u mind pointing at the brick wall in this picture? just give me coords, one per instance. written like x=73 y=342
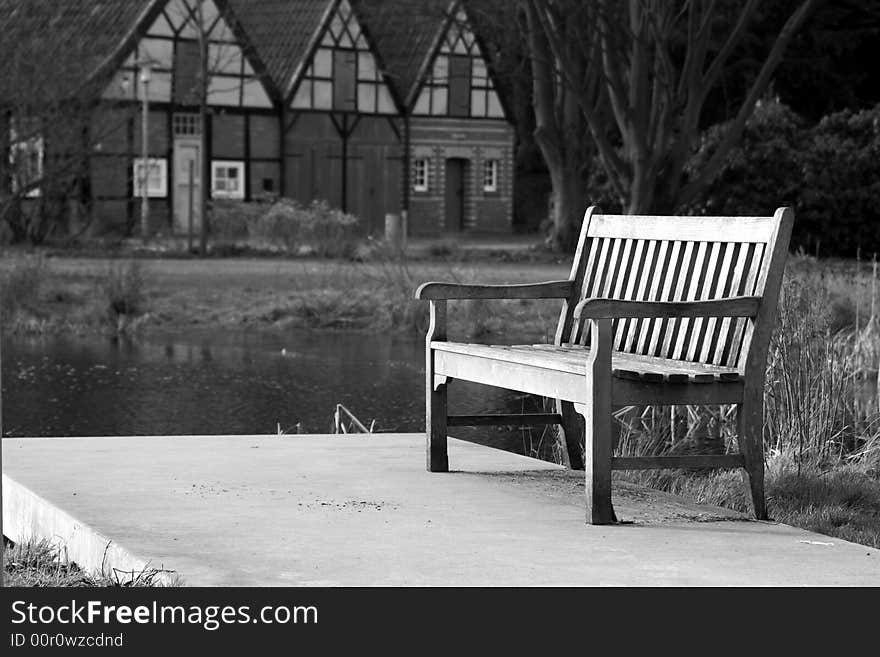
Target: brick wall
x=475 y=141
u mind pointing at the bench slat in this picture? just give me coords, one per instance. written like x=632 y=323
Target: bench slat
x=724 y=461
x=734 y=287
x=635 y=279
x=698 y=325
x=656 y=325
x=648 y=273
x=695 y=229
x=736 y=343
x=499 y=419
x=693 y=287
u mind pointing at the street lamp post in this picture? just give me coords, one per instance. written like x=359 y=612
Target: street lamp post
x=145 y=148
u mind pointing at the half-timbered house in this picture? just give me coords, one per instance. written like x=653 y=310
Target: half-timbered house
x=342 y=125
x=376 y=107
x=159 y=55
x=460 y=140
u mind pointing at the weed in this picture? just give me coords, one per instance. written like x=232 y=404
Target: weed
x=20 y=286
x=40 y=563
x=123 y=289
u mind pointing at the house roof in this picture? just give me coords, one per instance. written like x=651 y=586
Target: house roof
x=403 y=32
x=406 y=33
x=63 y=45
x=281 y=31
x=50 y=49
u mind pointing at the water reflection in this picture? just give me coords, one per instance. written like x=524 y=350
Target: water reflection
x=225 y=383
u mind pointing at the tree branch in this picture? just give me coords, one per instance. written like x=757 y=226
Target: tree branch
x=689 y=192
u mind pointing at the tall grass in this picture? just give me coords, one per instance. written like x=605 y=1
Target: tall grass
x=20 y=286
x=123 y=288
x=39 y=563
x=821 y=422
x=37 y=299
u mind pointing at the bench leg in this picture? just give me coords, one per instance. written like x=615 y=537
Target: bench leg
x=572 y=431
x=597 y=463
x=750 y=425
x=435 y=412
x=597 y=426
x=435 y=394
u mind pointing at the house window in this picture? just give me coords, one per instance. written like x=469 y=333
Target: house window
x=343 y=73
x=420 y=175
x=26 y=163
x=156 y=174
x=459 y=83
x=227 y=179
x=186 y=124
x=490 y=176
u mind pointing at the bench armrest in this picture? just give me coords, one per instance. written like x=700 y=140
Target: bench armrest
x=548 y=290
x=594 y=308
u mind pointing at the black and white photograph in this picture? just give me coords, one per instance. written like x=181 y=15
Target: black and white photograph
x=328 y=295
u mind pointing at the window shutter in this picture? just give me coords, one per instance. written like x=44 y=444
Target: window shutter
x=186 y=73
x=345 y=80
x=459 y=85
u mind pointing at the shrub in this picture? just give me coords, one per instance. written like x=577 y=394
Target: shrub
x=232 y=220
x=317 y=228
x=761 y=173
x=839 y=200
x=829 y=173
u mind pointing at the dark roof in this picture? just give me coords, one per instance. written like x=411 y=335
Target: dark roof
x=50 y=48
x=405 y=33
x=402 y=31
x=62 y=44
x=281 y=32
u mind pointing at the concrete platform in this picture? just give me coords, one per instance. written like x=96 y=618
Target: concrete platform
x=360 y=510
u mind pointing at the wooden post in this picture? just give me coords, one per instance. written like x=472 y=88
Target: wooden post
x=189 y=242
x=435 y=408
x=597 y=425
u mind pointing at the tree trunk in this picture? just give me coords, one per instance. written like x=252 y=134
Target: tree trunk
x=569 y=204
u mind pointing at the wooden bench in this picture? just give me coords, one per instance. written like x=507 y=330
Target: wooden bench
x=656 y=311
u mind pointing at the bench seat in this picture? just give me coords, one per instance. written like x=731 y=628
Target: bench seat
x=573 y=359
x=559 y=372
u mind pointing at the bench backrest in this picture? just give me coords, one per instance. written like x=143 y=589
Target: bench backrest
x=660 y=258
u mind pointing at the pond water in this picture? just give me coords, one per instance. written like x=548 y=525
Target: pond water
x=234 y=383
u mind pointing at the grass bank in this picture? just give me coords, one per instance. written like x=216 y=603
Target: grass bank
x=62 y=294
x=39 y=564
x=37 y=297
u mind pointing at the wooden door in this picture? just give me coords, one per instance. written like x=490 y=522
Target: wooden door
x=454 y=194
x=187 y=186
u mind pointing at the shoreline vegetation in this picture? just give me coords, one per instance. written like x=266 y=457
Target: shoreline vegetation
x=822 y=423
x=39 y=563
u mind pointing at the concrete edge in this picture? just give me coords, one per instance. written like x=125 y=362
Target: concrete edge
x=27 y=516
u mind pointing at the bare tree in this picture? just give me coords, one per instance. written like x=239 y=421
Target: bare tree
x=49 y=122
x=659 y=60
x=561 y=130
